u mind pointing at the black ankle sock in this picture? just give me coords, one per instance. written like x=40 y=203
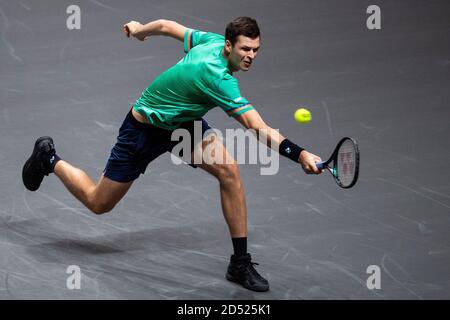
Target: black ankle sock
x=239 y=246
x=52 y=162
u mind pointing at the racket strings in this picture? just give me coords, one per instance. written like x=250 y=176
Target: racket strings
x=346 y=163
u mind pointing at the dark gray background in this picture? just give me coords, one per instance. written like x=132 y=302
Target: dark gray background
x=167 y=239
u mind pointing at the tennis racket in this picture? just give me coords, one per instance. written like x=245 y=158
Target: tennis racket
x=343 y=163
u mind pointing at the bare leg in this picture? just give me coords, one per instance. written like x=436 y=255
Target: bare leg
x=240 y=268
x=99 y=198
x=231 y=188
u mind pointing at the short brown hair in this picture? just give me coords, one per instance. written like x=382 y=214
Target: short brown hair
x=244 y=26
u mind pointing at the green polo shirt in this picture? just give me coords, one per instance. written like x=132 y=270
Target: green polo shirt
x=196 y=84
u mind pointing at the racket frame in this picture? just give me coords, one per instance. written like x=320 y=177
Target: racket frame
x=333 y=157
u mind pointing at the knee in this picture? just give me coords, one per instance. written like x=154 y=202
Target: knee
x=101 y=208
x=229 y=175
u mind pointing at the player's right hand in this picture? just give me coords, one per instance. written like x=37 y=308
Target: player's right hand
x=308 y=162
x=134 y=28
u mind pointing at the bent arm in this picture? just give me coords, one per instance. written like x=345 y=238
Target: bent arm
x=160 y=27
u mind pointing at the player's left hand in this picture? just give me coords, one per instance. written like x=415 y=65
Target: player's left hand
x=134 y=28
x=308 y=162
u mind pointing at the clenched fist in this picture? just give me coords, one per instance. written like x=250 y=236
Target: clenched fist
x=134 y=29
x=308 y=162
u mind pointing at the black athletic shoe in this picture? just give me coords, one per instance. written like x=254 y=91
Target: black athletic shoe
x=241 y=270
x=38 y=164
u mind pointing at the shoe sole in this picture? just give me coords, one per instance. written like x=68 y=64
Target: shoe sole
x=229 y=277
x=29 y=184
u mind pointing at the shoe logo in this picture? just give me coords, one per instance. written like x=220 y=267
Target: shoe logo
x=52 y=159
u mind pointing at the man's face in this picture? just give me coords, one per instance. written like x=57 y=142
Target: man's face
x=242 y=53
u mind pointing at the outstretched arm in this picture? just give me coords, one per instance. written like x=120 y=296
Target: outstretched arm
x=159 y=27
x=252 y=120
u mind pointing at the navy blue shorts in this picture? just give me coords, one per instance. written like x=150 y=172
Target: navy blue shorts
x=140 y=143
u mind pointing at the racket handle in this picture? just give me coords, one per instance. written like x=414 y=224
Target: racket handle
x=320 y=165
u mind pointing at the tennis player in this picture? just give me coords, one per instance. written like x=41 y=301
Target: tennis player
x=202 y=80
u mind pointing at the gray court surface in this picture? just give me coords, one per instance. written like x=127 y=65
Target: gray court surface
x=167 y=239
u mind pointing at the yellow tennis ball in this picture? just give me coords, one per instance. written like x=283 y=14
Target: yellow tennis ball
x=302 y=115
